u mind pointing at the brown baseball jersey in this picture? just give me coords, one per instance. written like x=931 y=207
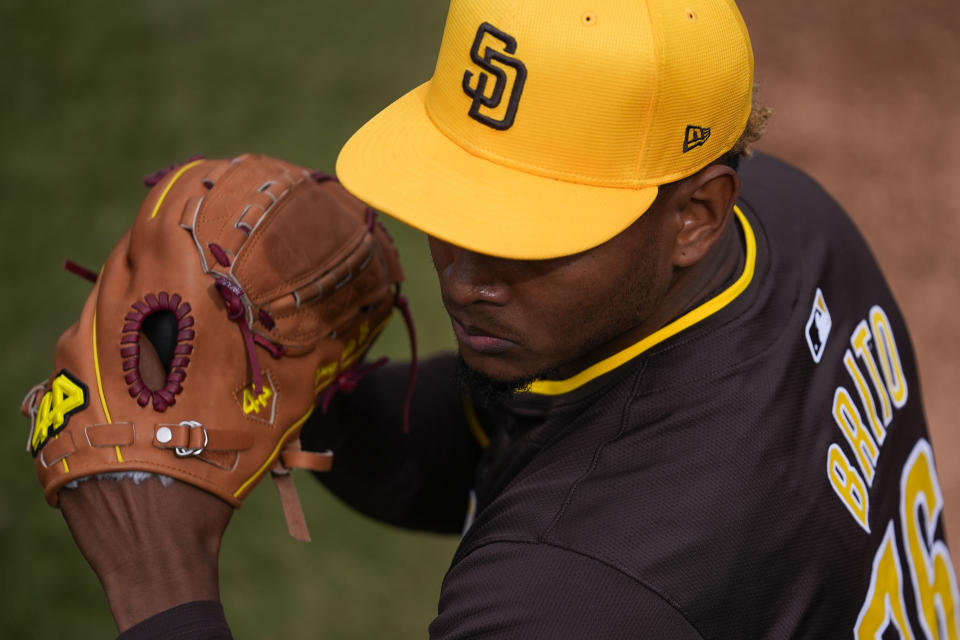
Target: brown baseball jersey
x=758 y=468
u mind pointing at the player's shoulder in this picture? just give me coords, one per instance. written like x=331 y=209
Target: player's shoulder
x=805 y=236
x=789 y=199
x=762 y=172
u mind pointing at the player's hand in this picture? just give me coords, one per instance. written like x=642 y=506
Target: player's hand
x=152 y=546
x=255 y=285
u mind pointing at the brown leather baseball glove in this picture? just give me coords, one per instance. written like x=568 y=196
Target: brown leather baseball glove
x=244 y=289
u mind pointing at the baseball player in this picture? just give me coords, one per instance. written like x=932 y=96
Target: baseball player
x=685 y=403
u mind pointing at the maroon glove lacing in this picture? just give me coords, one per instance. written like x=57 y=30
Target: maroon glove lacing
x=154 y=178
x=348 y=380
x=232 y=296
x=79 y=270
x=404 y=306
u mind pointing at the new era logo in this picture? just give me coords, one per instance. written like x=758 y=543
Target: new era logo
x=695 y=137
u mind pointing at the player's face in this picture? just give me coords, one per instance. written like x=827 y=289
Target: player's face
x=516 y=320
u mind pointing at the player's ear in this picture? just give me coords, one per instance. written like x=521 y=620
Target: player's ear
x=703 y=205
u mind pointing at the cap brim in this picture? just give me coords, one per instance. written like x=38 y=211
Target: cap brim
x=402 y=164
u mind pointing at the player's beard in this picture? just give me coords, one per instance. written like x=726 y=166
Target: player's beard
x=487 y=391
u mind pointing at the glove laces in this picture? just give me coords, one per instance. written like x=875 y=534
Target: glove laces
x=232 y=296
x=348 y=380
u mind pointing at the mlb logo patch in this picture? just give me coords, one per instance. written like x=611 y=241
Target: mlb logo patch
x=818 y=327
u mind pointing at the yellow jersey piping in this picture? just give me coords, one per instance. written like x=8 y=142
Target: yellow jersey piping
x=473 y=421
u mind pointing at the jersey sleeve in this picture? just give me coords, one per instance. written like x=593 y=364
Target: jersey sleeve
x=200 y=620
x=419 y=480
x=508 y=590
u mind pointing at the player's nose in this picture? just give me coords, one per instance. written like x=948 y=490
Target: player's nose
x=467 y=277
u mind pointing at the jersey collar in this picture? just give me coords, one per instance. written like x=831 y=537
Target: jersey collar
x=692 y=317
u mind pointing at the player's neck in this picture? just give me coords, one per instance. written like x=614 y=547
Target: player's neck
x=689 y=288
x=698 y=283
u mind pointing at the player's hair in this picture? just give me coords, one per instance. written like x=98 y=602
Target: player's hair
x=756 y=127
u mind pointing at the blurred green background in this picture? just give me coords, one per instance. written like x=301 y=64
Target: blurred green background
x=97 y=94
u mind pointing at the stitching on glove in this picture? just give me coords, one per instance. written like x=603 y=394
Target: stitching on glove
x=165 y=397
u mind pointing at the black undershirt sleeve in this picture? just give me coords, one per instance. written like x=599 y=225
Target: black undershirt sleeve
x=527 y=591
x=202 y=620
x=420 y=480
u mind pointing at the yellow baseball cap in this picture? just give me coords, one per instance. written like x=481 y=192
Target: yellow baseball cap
x=549 y=124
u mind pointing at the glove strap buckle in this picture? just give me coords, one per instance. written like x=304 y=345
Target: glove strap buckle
x=186 y=452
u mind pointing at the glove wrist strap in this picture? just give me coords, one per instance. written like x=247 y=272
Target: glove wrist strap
x=294 y=457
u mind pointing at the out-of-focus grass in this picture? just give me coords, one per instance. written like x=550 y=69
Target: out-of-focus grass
x=95 y=95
